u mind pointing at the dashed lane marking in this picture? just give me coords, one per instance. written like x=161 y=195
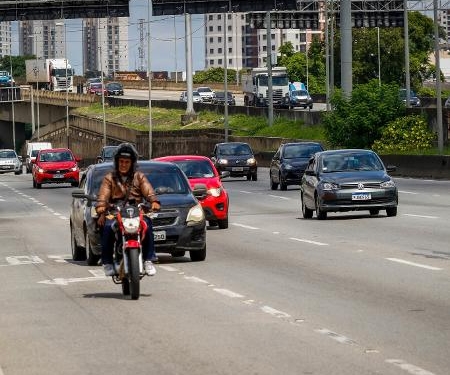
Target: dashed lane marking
x=422 y=216
x=412 y=369
x=309 y=241
x=335 y=336
x=414 y=264
x=245 y=226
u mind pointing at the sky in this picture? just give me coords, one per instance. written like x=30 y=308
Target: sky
x=166 y=54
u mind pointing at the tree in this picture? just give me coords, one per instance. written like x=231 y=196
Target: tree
x=17 y=62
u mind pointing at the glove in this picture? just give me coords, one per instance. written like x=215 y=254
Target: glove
x=101 y=220
x=156 y=206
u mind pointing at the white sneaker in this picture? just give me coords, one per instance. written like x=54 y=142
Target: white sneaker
x=109 y=269
x=149 y=268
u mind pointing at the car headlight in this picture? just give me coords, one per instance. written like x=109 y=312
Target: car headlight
x=251 y=161
x=195 y=215
x=40 y=170
x=288 y=166
x=330 y=186
x=387 y=184
x=131 y=225
x=74 y=169
x=223 y=161
x=215 y=192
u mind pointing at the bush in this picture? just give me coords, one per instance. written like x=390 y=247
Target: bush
x=409 y=133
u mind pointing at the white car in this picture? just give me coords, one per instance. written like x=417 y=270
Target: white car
x=207 y=94
x=196 y=98
x=10 y=162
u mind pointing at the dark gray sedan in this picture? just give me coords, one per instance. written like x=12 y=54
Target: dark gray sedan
x=178 y=227
x=347 y=180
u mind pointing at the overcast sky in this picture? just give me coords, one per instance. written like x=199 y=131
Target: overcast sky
x=162 y=36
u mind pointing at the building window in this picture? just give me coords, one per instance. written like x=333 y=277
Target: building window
x=230 y=39
x=210 y=18
x=211 y=51
x=219 y=61
x=219 y=39
x=211 y=62
x=230 y=28
x=211 y=40
x=230 y=50
x=219 y=50
x=219 y=28
x=211 y=28
x=219 y=16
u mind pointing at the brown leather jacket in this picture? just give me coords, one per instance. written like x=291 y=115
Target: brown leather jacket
x=112 y=189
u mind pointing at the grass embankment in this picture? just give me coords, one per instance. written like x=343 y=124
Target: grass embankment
x=169 y=119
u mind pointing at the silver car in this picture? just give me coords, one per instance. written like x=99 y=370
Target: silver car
x=196 y=98
x=10 y=162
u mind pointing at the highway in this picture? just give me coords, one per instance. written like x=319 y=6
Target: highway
x=277 y=294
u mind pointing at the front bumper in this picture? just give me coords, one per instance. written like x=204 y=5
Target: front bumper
x=342 y=201
x=215 y=208
x=54 y=178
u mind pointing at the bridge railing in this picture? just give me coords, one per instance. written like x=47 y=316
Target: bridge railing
x=10 y=94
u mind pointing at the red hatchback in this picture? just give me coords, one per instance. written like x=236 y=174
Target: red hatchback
x=201 y=170
x=55 y=166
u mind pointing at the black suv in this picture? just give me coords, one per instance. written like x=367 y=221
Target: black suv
x=107 y=154
x=178 y=227
x=236 y=158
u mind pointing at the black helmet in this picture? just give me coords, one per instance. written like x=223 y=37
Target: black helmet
x=125 y=150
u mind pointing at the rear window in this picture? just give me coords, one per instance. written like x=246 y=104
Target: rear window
x=195 y=168
x=167 y=182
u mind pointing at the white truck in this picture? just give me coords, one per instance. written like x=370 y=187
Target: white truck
x=32 y=150
x=255 y=86
x=49 y=74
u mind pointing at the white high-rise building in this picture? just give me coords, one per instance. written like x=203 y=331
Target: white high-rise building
x=105 y=45
x=44 y=39
x=5 y=39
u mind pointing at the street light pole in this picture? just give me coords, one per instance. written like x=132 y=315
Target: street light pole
x=36 y=75
x=67 y=84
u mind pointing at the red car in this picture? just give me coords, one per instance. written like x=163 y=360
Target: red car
x=201 y=170
x=55 y=166
x=96 y=88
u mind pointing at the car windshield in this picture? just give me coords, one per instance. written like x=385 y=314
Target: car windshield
x=56 y=156
x=195 y=93
x=96 y=86
x=300 y=151
x=351 y=162
x=114 y=86
x=300 y=92
x=232 y=149
x=196 y=168
x=204 y=89
x=108 y=152
x=167 y=182
x=7 y=154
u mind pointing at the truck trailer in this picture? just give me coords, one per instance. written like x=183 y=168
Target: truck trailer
x=50 y=74
x=255 y=86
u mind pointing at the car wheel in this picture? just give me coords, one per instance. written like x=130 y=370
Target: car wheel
x=374 y=211
x=213 y=223
x=307 y=213
x=321 y=215
x=38 y=186
x=283 y=185
x=198 y=255
x=34 y=183
x=223 y=224
x=391 y=211
x=311 y=106
x=92 y=259
x=273 y=185
x=78 y=253
x=75 y=184
x=254 y=177
x=249 y=177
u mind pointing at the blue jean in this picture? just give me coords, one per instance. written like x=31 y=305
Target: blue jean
x=108 y=238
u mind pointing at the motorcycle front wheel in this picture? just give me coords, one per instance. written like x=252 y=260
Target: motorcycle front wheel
x=134 y=277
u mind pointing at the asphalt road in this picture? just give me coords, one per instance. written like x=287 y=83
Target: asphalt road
x=277 y=294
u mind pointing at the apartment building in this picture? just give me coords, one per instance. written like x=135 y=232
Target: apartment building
x=246 y=47
x=105 y=45
x=5 y=39
x=43 y=39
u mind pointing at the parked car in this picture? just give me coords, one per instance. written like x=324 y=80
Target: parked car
x=178 y=227
x=114 y=88
x=289 y=163
x=413 y=99
x=347 y=180
x=196 y=98
x=96 y=89
x=55 y=166
x=237 y=158
x=207 y=94
x=220 y=98
x=10 y=162
x=106 y=154
x=200 y=170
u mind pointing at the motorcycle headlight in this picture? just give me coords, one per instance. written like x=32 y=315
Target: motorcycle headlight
x=251 y=161
x=195 y=215
x=223 y=161
x=215 y=192
x=330 y=186
x=131 y=225
x=387 y=184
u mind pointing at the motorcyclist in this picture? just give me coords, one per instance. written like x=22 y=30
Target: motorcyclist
x=124 y=183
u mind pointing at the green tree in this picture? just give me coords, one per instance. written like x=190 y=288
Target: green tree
x=214 y=75
x=357 y=121
x=17 y=62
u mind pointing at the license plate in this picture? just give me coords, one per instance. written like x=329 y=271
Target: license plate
x=58 y=176
x=237 y=169
x=361 y=196
x=160 y=235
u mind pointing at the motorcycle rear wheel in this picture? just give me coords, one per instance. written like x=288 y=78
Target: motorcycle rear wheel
x=134 y=276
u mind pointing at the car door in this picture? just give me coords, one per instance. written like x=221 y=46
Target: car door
x=275 y=166
x=309 y=182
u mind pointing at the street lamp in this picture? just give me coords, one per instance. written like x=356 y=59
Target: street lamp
x=67 y=83
x=36 y=75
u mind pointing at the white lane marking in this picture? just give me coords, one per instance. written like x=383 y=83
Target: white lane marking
x=169 y=268
x=309 y=241
x=98 y=273
x=244 y=226
x=63 y=217
x=409 y=367
x=335 y=336
x=196 y=279
x=23 y=259
x=277 y=196
x=414 y=264
x=274 y=312
x=58 y=258
x=2 y=200
x=422 y=216
x=245 y=192
x=228 y=293
x=61 y=281
x=1 y=371
x=407 y=192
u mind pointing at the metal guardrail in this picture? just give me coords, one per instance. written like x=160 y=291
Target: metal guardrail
x=10 y=94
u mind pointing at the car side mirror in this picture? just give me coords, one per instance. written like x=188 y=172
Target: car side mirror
x=224 y=174
x=199 y=191
x=391 y=168
x=78 y=159
x=20 y=158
